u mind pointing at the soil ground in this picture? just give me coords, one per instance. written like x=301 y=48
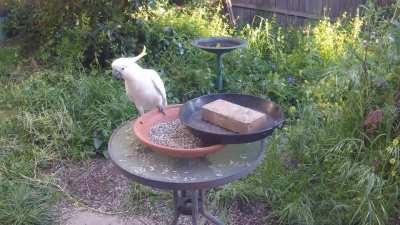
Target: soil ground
x=100 y=186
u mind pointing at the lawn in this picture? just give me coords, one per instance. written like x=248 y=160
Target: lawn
x=334 y=162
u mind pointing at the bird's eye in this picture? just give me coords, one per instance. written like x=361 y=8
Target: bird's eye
x=122 y=68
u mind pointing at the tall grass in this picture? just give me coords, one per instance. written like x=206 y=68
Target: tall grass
x=22 y=204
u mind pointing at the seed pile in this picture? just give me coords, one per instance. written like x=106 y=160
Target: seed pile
x=174 y=134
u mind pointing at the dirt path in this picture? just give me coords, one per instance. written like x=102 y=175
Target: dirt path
x=100 y=186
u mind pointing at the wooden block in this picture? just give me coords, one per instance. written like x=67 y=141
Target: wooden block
x=233 y=117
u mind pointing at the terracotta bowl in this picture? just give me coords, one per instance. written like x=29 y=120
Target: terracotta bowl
x=143 y=124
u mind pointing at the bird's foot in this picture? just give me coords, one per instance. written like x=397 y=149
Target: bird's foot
x=140 y=110
x=161 y=109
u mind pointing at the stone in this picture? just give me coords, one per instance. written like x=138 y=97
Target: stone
x=89 y=218
x=84 y=217
x=233 y=117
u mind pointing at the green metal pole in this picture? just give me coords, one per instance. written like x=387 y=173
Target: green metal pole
x=220 y=76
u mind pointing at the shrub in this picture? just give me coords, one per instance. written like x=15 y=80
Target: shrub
x=73 y=29
x=93 y=32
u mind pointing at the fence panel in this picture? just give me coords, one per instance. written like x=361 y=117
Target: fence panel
x=294 y=12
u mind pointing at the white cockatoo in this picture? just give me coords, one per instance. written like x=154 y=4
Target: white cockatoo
x=144 y=87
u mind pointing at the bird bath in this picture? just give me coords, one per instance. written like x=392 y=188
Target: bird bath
x=219 y=46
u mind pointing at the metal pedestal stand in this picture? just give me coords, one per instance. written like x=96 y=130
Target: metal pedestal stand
x=192 y=203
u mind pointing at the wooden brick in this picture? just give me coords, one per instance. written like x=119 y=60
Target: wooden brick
x=233 y=117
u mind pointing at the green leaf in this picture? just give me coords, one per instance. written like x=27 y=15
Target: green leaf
x=97 y=142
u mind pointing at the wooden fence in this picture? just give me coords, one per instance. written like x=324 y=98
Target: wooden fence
x=2 y=8
x=294 y=12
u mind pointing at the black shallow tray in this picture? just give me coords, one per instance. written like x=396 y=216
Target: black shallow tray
x=190 y=115
x=227 y=44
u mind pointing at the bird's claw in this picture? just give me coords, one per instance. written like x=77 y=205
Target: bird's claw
x=161 y=109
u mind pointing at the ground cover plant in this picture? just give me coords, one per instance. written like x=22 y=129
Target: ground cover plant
x=336 y=161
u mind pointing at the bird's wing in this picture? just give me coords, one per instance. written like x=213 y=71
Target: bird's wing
x=158 y=85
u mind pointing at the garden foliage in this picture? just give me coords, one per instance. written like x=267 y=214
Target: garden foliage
x=328 y=165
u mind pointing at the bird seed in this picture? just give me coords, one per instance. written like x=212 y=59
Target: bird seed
x=174 y=134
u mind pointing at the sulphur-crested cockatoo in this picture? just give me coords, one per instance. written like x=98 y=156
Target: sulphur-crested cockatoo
x=144 y=87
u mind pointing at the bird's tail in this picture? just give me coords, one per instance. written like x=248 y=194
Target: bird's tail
x=141 y=55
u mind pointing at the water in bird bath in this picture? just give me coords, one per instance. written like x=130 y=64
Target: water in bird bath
x=219 y=44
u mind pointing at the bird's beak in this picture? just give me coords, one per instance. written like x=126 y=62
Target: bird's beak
x=117 y=74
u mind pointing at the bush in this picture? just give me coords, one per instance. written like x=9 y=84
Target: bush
x=91 y=33
x=80 y=31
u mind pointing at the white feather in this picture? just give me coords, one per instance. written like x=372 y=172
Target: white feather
x=144 y=87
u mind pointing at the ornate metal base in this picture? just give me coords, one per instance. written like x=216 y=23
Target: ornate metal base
x=192 y=203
